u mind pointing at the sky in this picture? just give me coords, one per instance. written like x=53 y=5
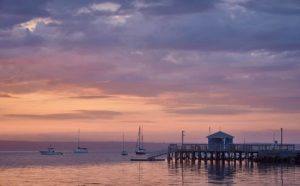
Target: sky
x=107 y=67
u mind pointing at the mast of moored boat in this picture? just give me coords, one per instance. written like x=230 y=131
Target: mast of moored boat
x=123 y=142
x=78 y=139
x=142 y=137
x=137 y=140
x=139 y=150
x=139 y=136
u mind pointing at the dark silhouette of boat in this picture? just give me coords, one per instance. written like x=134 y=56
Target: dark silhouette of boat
x=80 y=150
x=139 y=148
x=124 y=152
x=50 y=151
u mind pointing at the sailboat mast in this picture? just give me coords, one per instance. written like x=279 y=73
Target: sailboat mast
x=137 y=141
x=139 y=137
x=78 y=138
x=142 y=146
x=123 y=142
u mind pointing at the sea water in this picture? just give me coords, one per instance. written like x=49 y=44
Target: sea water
x=110 y=168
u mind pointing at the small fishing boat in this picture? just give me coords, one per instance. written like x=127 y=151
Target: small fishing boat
x=124 y=152
x=139 y=148
x=50 y=151
x=80 y=150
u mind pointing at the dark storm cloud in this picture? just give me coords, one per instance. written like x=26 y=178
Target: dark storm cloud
x=286 y=7
x=27 y=39
x=279 y=67
x=165 y=7
x=79 y=114
x=13 y=12
x=212 y=43
x=193 y=25
x=216 y=31
x=270 y=68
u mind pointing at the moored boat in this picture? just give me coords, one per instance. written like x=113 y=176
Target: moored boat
x=124 y=152
x=50 y=151
x=139 y=149
x=80 y=150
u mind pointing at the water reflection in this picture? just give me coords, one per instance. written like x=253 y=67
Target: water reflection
x=97 y=169
x=213 y=172
x=218 y=172
x=229 y=173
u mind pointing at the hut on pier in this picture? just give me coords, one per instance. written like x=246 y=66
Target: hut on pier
x=219 y=141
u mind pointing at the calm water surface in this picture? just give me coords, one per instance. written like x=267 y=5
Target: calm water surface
x=109 y=168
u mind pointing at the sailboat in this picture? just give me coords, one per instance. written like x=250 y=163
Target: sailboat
x=124 y=152
x=79 y=149
x=139 y=148
x=50 y=151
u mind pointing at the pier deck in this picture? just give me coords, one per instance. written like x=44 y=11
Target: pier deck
x=233 y=152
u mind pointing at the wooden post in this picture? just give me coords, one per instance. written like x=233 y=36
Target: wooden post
x=182 y=138
x=169 y=156
x=217 y=156
x=193 y=156
x=281 y=137
x=199 y=156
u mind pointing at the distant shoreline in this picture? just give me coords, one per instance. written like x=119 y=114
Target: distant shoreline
x=97 y=145
x=68 y=145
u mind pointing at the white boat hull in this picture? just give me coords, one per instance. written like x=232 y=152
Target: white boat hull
x=140 y=152
x=81 y=151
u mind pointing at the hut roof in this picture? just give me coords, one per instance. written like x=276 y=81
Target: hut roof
x=220 y=134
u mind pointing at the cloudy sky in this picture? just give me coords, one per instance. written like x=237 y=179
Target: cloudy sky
x=170 y=65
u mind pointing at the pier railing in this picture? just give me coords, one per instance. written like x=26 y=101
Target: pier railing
x=231 y=147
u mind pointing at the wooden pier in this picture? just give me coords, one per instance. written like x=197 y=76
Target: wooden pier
x=233 y=152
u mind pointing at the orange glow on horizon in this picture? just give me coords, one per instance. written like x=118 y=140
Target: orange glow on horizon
x=34 y=115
